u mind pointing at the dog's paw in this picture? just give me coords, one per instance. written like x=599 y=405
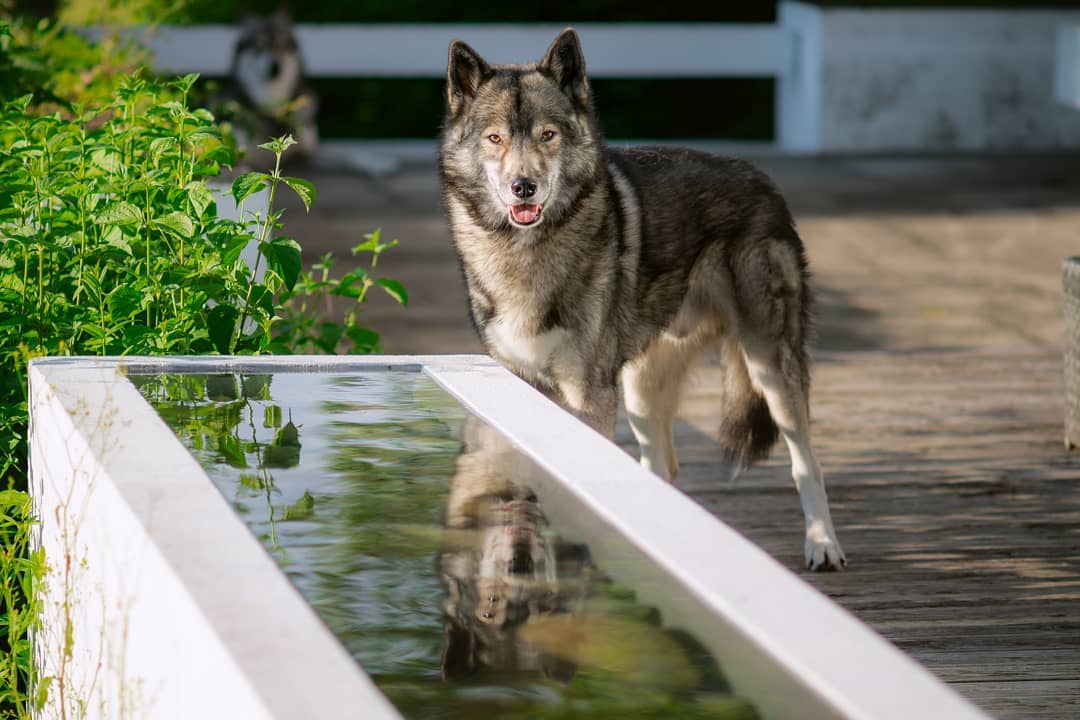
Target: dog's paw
x=823 y=552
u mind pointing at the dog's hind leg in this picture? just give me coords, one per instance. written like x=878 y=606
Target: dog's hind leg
x=652 y=385
x=776 y=372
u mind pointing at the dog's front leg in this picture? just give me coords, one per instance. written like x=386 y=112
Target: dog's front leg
x=595 y=404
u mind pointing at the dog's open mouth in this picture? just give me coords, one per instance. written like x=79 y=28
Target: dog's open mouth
x=525 y=215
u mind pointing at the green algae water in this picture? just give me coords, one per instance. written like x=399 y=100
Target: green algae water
x=414 y=531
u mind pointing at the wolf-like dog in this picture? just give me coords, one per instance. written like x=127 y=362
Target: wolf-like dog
x=588 y=267
x=267 y=83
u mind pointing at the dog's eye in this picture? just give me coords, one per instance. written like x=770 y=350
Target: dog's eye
x=495 y=139
x=547 y=135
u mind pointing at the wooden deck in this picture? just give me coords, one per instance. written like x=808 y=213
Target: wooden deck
x=937 y=400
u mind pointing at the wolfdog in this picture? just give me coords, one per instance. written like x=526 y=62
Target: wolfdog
x=588 y=266
x=267 y=84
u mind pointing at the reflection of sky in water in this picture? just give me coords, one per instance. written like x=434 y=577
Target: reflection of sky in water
x=363 y=525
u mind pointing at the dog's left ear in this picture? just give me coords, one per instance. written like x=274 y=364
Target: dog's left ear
x=566 y=63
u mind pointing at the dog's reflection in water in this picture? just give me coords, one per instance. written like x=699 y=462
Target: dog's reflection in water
x=503 y=566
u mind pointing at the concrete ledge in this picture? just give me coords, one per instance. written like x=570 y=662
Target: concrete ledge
x=177 y=611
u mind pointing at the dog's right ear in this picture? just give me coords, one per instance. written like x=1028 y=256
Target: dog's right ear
x=459 y=655
x=465 y=70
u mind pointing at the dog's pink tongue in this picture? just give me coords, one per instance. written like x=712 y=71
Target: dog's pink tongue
x=524 y=214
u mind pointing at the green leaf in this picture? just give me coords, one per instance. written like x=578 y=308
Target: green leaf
x=184 y=83
x=272 y=416
x=284 y=451
x=262 y=298
x=220 y=325
x=19 y=104
x=248 y=184
x=200 y=196
x=233 y=248
x=284 y=257
x=159 y=145
x=394 y=289
x=119 y=213
x=229 y=446
x=115 y=238
x=352 y=284
x=303 y=188
x=256 y=387
x=220 y=154
x=302 y=509
x=108 y=159
x=371 y=242
x=279 y=144
x=178 y=223
x=364 y=339
x=329 y=336
x=124 y=301
x=254 y=482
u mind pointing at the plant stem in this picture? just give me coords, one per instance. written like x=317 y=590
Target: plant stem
x=275 y=178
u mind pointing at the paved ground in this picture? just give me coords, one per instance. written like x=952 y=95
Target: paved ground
x=937 y=405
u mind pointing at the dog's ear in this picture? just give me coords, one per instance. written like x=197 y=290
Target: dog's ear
x=566 y=63
x=459 y=655
x=282 y=19
x=465 y=70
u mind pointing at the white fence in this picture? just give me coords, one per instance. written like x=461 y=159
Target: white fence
x=847 y=79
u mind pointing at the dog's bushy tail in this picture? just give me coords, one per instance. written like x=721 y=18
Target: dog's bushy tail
x=747 y=431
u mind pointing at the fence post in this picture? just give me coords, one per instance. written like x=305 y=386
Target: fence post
x=799 y=87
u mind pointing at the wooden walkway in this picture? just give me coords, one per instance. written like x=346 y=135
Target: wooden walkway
x=937 y=400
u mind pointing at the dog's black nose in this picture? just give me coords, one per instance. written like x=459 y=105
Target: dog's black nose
x=523 y=188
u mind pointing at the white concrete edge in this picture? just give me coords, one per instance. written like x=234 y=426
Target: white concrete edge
x=847 y=664
x=283 y=650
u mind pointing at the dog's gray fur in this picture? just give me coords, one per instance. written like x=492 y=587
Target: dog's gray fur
x=587 y=266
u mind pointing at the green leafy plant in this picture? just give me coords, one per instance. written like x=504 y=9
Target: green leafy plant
x=20 y=570
x=111 y=244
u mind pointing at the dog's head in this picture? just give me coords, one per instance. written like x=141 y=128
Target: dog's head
x=516 y=572
x=520 y=141
x=266 y=60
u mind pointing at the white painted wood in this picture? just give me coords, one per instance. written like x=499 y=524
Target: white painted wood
x=1067 y=66
x=612 y=50
x=942 y=79
x=799 y=87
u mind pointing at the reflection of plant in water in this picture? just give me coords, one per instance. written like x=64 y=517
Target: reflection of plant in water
x=215 y=416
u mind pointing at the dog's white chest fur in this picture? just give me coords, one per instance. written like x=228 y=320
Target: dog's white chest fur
x=268 y=93
x=529 y=352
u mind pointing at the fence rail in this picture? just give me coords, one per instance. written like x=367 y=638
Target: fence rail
x=612 y=50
